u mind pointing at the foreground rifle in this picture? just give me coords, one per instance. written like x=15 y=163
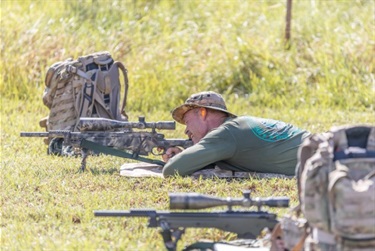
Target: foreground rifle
x=246 y=224
x=115 y=138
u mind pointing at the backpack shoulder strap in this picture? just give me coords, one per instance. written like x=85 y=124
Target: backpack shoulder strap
x=126 y=83
x=371 y=139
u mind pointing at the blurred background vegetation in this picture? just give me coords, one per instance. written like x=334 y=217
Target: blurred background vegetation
x=175 y=48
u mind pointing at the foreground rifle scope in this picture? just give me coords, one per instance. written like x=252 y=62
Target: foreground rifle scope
x=199 y=201
x=102 y=124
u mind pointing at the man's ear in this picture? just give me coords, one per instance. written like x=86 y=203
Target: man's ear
x=203 y=113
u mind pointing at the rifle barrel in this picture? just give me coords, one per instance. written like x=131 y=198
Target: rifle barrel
x=122 y=213
x=52 y=134
x=34 y=134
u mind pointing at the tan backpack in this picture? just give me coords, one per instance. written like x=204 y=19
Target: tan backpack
x=87 y=87
x=336 y=184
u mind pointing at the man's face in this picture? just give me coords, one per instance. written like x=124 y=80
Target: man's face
x=196 y=126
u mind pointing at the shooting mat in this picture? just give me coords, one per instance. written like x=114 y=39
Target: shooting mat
x=142 y=169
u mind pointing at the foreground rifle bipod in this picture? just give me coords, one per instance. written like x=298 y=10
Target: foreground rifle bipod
x=246 y=224
x=117 y=138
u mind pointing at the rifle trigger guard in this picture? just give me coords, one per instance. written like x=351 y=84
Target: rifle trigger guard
x=158 y=152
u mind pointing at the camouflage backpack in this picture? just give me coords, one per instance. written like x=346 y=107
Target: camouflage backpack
x=336 y=184
x=87 y=87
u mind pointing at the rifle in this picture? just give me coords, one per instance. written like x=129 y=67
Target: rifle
x=246 y=224
x=114 y=138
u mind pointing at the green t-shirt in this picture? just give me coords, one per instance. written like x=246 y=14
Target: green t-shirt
x=246 y=144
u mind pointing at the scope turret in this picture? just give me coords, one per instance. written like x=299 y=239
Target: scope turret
x=199 y=201
x=103 y=124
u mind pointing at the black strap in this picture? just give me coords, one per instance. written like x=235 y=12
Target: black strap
x=115 y=152
x=353 y=152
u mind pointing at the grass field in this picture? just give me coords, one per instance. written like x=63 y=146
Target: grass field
x=324 y=77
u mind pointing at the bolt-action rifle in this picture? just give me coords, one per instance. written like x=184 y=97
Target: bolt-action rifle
x=114 y=137
x=246 y=224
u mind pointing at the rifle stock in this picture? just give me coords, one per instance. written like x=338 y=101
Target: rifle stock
x=246 y=224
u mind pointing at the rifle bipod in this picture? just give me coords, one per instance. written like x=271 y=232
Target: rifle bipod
x=170 y=236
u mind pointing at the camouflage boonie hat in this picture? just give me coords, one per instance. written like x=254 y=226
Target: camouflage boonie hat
x=208 y=99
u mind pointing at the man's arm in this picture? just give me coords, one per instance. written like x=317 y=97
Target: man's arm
x=215 y=146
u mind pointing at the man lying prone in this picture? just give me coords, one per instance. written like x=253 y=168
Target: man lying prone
x=239 y=144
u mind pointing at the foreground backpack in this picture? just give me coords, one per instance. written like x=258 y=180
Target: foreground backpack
x=86 y=87
x=336 y=184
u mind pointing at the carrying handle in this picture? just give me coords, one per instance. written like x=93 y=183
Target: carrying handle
x=362 y=136
x=103 y=62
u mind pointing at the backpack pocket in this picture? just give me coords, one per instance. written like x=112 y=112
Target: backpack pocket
x=351 y=192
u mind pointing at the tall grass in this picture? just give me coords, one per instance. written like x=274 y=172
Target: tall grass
x=171 y=49
x=186 y=46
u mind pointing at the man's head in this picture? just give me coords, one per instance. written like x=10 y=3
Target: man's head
x=208 y=99
x=201 y=113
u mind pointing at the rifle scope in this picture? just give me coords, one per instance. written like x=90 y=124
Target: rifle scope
x=102 y=124
x=199 y=201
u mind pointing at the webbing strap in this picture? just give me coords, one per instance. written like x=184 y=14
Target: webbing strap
x=73 y=69
x=87 y=100
x=115 y=152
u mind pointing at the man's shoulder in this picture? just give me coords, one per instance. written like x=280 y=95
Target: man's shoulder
x=232 y=127
x=235 y=122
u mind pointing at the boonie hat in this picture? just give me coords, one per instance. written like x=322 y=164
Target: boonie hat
x=208 y=99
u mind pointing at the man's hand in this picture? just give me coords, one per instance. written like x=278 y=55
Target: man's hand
x=172 y=151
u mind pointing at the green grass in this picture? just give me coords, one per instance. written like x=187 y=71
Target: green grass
x=171 y=49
